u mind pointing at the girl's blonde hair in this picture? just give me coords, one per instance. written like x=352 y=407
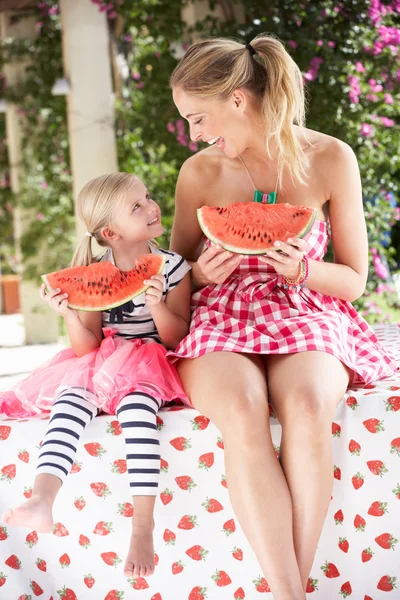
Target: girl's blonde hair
x=215 y=67
x=98 y=203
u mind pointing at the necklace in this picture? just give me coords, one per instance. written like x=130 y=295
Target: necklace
x=261 y=197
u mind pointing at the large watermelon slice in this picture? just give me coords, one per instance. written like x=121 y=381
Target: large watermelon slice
x=101 y=285
x=252 y=228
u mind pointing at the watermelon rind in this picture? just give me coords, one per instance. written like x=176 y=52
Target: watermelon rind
x=121 y=301
x=248 y=251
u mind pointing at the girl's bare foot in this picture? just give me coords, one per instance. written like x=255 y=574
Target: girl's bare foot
x=140 y=559
x=35 y=513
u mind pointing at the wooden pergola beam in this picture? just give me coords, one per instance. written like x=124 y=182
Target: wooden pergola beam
x=14 y=5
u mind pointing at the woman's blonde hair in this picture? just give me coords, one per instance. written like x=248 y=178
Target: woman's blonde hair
x=98 y=203
x=215 y=67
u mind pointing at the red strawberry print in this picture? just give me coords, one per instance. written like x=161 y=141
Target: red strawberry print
x=103 y=528
x=67 y=594
x=166 y=496
x=277 y=450
x=187 y=522
x=80 y=503
x=32 y=539
x=343 y=544
x=13 y=562
x=354 y=448
x=346 y=590
x=119 y=466
x=84 y=541
x=156 y=559
x=394 y=388
x=229 y=527
x=239 y=594
x=237 y=553
x=220 y=443
x=60 y=530
x=177 y=567
x=386 y=541
x=139 y=583
x=221 y=578
x=352 y=402
x=36 y=589
x=114 y=595
x=338 y=516
x=212 y=506
x=200 y=422
x=114 y=427
x=271 y=411
x=357 y=480
x=337 y=473
x=393 y=403
x=330 y=570
x=336 y=429
x=160 y=423
x=359 y=523
x=366 y=555
x=396 y=491
x=100 y=489
x=197 y=553
x=23 y=455
x=8 y=473
x=367 y=597
x=95 y=449
x=27 y=491
x=261 y=585
x=224 y=481
x=26 y=597
x=3 y=533
x=164 y=466
x=181 y=443
x=185 y=482
x=64 y=560
x=126 y=509
x=311 y=585
x=111 y=558
x=5 y=431
x=373 y=425
x=377 y=467
x=3 y=578
x=377 y=509
x=395 y=446
x=386 y=583
x=156 y=597
x=169 y=537
x=41 y=565
x=197 y=593
x=76 y=467
x=206 y=460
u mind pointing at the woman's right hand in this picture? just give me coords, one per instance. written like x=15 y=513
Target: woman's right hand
x=57 y=301
x=214 y=266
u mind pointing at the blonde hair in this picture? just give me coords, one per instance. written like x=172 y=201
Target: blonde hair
x=215 y=67
x=98 y=203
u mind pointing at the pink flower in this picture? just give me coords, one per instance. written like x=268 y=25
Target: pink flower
x=40 y=217
x=135 y=75
x=372 y=97
x=128 y=38
x=171 y=127
x=193 y=146
x=331 y=44
x=387 y=122
x=182 y=139
x=140 y=85
x=157 y=54
x=180 y=125
x=388 y=99
x=320 y=43
x=112 y=15
x=366 y=129
x=359 y=67
x=292 y=44
x=44 y=185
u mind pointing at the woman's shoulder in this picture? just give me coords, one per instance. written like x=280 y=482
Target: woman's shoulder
x=323 y=147
x=207 y=163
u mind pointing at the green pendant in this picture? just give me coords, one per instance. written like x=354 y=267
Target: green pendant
x=264 y=198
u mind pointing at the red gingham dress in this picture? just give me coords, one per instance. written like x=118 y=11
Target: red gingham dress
x=250 y=312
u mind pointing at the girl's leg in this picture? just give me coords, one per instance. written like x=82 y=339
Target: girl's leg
x=69 y=416
x=231 y=390
x=137 y=414
x=305 y=389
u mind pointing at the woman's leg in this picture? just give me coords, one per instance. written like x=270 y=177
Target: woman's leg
x=69 y=416
x=231 y=390
x=304 y=390
x=137 y=414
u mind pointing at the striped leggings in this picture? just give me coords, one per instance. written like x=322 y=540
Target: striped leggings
x=137 y=413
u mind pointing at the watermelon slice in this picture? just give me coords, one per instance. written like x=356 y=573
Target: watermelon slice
x=101 y=285
x=252 y=228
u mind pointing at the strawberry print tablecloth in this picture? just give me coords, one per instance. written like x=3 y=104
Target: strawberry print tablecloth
x=201 y=551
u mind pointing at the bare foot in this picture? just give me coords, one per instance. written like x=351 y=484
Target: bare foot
x=35 y=513
x=140 y=559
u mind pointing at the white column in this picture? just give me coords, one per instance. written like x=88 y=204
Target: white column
x=87 y=66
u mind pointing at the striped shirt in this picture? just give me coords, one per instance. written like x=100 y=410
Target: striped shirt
x=133 y=319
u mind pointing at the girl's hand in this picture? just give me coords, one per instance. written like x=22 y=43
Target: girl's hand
x=287 y=261
x=215 y=265
x=57 y=301
x=153 y=294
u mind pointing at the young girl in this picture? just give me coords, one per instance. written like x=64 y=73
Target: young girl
x=120 y=369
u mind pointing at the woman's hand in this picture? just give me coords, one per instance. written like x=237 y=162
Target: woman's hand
x=214 y=266
x=287 y=261
x=153 y=294
x=57 y=301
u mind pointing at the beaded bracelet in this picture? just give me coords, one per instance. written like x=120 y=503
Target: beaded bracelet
x=301 y=278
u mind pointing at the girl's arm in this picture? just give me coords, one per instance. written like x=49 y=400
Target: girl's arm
x=171 y=317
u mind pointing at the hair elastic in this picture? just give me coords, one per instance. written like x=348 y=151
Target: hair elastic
x=251 y=49
x=89 y=234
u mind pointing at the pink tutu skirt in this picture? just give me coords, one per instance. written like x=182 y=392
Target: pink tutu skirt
x=104 y=376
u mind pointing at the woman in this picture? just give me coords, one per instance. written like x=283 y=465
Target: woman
x=252 y=339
